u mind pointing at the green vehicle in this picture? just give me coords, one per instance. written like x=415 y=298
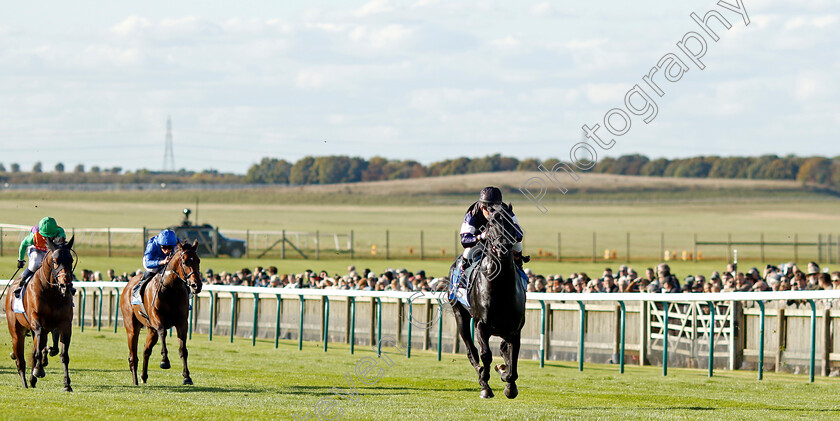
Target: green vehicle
x=210 y=241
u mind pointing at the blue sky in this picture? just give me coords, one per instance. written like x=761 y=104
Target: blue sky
x=94 y=82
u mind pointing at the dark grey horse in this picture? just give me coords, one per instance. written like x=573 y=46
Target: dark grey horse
x=497 y=300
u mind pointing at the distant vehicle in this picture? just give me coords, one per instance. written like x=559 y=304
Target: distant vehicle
x=208 y=242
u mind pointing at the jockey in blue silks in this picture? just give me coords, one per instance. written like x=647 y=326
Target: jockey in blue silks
x=473 y=233
x=158 y=252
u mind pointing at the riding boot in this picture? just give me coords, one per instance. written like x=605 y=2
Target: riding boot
x=24 y=279
x=519 y=259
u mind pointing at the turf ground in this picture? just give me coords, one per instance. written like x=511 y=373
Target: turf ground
x=238 y=381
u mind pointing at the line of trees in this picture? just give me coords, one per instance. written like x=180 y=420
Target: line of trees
x=344 y=169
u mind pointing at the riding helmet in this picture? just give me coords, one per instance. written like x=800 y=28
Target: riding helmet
x=47 y=227
x=490 y=196
x=167 y=238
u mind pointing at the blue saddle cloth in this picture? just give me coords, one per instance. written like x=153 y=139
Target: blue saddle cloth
x=459 y=280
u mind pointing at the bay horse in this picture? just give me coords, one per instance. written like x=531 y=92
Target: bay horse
x=497 y=305
x=48 y=305
x=166 y=299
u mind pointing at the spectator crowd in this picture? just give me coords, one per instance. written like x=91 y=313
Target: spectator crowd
x=785 y=277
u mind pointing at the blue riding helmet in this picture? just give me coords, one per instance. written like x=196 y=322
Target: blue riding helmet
x=167 y=238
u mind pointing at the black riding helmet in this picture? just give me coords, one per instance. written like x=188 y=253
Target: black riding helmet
x=490 y=196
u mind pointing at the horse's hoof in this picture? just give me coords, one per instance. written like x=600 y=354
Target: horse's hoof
x=188 y=381
x=164 y=365
x=500 y=368
x=53 y=351
x=486 y=394
x=33 y=381
x=68 y=388
x=12 y=355
x=511 y=391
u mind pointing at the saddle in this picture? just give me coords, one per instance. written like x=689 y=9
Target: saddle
x=462 y=282
x=137 y=296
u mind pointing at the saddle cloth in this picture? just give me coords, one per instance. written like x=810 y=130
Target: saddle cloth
x=462 y=281
x=17 y=303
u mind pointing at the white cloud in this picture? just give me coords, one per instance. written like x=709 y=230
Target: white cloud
x=375 y=7
x=442 y=98
x=381 y=38
x=507 y=42
x=130 y=25
x=603 y=93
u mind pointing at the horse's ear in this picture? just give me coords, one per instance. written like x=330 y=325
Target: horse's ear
x=50 y=243
x=195 y=244
x=70 y=243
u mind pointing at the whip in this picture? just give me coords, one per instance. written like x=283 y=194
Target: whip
x=10 y=282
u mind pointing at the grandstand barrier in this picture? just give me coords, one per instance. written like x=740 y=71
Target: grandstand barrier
x=713 y=330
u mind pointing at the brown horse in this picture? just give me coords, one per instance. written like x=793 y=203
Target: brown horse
x=166 y=298
x=48 y=305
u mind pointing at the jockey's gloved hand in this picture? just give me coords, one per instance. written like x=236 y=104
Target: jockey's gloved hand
x=20 y=264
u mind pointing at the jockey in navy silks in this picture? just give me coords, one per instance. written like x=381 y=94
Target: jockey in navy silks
x=473 y=233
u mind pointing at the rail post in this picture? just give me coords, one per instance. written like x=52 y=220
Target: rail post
x=352 y=246
x=378 y=327
x=594 y=249
x=256 y=319
x=352 y=324
x=279 y=313
x=192 y=313
x=387 y=245
x=317 y=245
x=813 y=336
x=559 y=244
x=411 y=314
x=582 y=334
x=212 y=316
x=326 y=322
x=440 y=331
x=101 y=300
x=542 y=333
x=711 y=338
x=82 y=310
x=232 y=315
x=665 y=341
x=761 y=341
x=421 y=245
x=623 y=326
x=116 y=309
x=300 y=324
x=109 y=241
x=627 y=258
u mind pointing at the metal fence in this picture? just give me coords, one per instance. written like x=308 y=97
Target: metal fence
x=716 y=330
x=445 y=244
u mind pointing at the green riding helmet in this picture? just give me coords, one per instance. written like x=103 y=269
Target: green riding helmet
x=48 y=227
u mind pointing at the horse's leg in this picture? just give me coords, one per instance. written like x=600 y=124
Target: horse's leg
x=65 y=333
x=18 y=338
x=54 y=348
x=463 y=319
x=132 y=329
x=164 y=353
x=151 y=340
x=483 y=336
x=509 y=372
x=39 y=336
x=182 y=349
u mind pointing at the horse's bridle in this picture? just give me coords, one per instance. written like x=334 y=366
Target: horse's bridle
x=53 y=279
x=182 y=278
